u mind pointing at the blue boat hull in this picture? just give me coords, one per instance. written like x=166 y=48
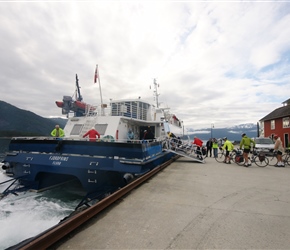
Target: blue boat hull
x=40 y=164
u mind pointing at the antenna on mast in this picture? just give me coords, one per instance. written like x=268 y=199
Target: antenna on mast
x=97 y=77
x=156 y=92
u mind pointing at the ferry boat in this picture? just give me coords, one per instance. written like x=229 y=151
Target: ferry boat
x=111 y=162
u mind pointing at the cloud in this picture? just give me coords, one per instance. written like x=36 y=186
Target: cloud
x=221 y=63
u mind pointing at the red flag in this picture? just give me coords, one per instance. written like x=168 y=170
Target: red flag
x=96 y=74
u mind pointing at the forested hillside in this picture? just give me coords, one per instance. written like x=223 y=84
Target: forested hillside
x=19 y=122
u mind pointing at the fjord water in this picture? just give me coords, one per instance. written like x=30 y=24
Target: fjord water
x=28 y=214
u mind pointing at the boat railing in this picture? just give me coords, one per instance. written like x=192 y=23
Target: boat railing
x=135 y=141
x=91 y=110
x=102 y=139
x=97 y=110
x=32 y=138
x=45 y=138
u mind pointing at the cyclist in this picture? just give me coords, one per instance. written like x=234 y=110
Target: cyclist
x=246 y=144
x=198 y=142
x=279 y=148
x=228 y=146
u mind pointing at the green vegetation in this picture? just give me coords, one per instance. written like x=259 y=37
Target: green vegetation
x=19 y=122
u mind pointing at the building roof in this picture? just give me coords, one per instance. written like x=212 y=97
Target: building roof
x=286 y=102
x=278 y=113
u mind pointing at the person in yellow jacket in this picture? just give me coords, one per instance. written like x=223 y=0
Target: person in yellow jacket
x=215 y=147
x=228 y=146
x=246 y=145
x=57 y=132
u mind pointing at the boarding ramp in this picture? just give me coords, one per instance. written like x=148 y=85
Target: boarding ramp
x=185 y=149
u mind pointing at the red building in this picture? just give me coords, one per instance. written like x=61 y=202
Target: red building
x=278 y=122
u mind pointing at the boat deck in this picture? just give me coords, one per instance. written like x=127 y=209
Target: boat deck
x=191 y=205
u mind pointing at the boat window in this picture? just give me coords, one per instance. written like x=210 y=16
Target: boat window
x=76 y=129
x=134 y=109
x=101 y=128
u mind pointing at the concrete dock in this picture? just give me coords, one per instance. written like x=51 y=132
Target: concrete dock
x=190 y=205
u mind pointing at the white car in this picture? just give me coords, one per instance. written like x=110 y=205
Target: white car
x=264 y=144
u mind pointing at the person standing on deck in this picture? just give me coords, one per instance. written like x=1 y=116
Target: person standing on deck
x=130 y=135
x=149 y=135
x=93 y=134
x=57 y=132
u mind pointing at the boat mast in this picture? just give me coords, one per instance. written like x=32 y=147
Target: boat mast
x=97 y=77
x=79 y=96
x=156 y=92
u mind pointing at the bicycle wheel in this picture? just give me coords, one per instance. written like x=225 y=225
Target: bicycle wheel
x=220 y=157
x=261 y=161
x=240 y=162
x=272 y=160
x=286 y=159
x=233 y=156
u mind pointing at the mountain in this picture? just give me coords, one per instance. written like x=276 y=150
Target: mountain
x=19 y=122
x=233 y=133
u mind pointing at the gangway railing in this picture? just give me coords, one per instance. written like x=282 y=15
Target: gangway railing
x=185 y=149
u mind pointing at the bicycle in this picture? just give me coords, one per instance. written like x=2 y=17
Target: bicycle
x=257 y=157
x=286 y=157
x=272 y=157
x=273 y=161
x=221 y=157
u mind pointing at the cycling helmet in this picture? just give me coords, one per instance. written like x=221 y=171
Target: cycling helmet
x=275 y=136
x=243 y=134
x=225 y=138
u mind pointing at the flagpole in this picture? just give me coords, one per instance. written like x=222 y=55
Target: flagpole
x=99 y=80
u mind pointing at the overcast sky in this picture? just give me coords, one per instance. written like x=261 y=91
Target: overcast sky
x=221 y=63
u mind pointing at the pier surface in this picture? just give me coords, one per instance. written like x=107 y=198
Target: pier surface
x=190 y=205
